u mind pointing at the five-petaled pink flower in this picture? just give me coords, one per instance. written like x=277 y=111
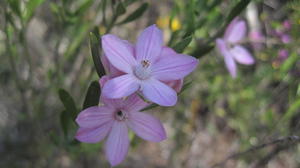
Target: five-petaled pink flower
x=113 y=119
x=113 y=72
x=147 y=67
x=229 y=46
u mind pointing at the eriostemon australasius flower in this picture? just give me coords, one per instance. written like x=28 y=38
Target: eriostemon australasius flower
x=113 y=120
x=229 y=46
x=147 y=67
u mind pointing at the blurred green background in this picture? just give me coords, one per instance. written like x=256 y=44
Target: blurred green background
x=45 y=51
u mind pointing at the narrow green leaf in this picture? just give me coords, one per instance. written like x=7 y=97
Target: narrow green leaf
x=93 y=95
x=173 y=37
x=185 y=86
x=293 y=108
x=120 y=9
x=151 y=106
x=129 y=2
x=68 y=102
x=15 y=6
x=64 y=122
x=83 y=7
x=237 y=9
x=179 y=47
x=31 y=5
x=202 y=50
x=289 y=63
x=95 y=45
x=96 y=33
x=54 y=8
x=136 y=14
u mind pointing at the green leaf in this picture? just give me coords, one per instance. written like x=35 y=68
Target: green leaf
x=65 y=122
x=15 y=6
x=151 y=106
x=136 y=14
x=289 y=63
x=202 y=50
x=293 y=108
x=120 y=9
x=54 y=8
x=93 y=95
x=129 y=2
x=78 y=37
x=237 y=9
x=179 y=47
x=185 y=86
x=96 y=33
x=68 y=102
x=31 y=5
x=173 y=37
x=83 y=7
x=95 y=45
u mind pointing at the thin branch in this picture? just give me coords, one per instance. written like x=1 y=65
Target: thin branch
x=285 y=140
x=13 y=65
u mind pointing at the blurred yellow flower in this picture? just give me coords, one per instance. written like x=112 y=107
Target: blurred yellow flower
x=164 y=22
x=175 y=24
x=102 y=30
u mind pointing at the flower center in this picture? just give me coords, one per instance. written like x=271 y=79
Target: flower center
x=142 y=70
x=230 y=45
x=120 y=116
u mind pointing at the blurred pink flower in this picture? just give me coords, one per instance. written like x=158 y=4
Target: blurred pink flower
x=283 y=54
x=230 y=48
x=113 y=120
x=147 y=67
x=287 y=25
x=257 y=38
x=285 y=38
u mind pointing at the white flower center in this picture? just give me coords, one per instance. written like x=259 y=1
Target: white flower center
x=120 y=116
x=142 y=71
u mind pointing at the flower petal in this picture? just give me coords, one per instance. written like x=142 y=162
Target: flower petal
x=94 y=116
x=120 y=86
x=146 y=126
x=176 y=85
x=109 y=68
x=173 y=68
x=118 y=53
x=116 y=146
x=133 y=103
x=159 y=93
x=167 y=52
x=103 y=80
x=93 y=135
x=236 y=31
x=241 y=55
x=228 y=58
x=149 y=44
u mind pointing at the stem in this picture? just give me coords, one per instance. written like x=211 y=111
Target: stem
x=285 y=140
x=12 y=63
x=26 y=53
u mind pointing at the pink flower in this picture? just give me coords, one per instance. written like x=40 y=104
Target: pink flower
x=257 y=39
x=285 y=38
x=147 y=67
x=283 y=54
x=230 y=48
x=113 y=120
x=287 y=25
x=114 y=72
